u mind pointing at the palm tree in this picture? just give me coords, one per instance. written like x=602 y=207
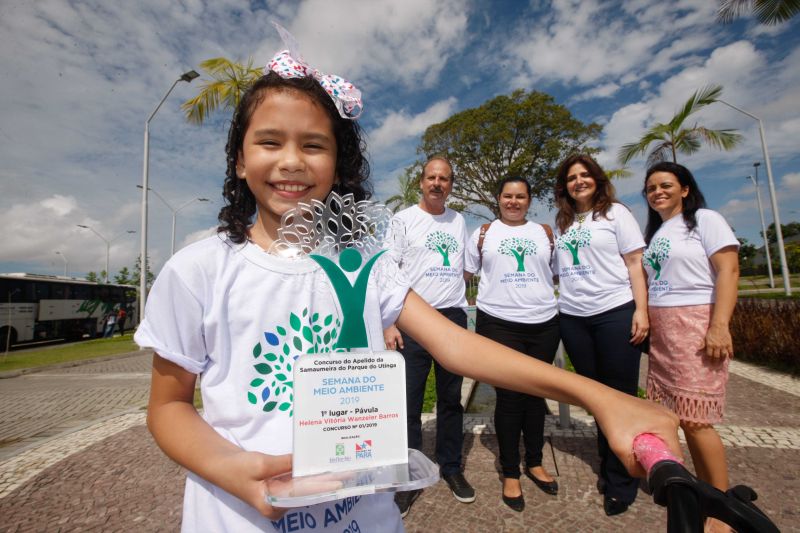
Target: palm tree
x=409 y=189
x=229 y=81
x=769 y=12
x=673 y=137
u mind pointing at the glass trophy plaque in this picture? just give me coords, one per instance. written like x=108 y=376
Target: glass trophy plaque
x=349 y=412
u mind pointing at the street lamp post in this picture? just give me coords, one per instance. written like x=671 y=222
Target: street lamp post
x=66 y=262
x=175 y=212
x=763 y=225
x=787 y=288
x=187 y=77
x=107 y=241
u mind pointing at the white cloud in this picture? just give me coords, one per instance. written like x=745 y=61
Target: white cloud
x=382 y=40
x=36 y=230
x=791 y=182
x=605 y=90
x=587 y=41
x=399 y=126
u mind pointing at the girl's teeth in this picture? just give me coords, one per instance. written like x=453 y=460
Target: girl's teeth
x=290 y=188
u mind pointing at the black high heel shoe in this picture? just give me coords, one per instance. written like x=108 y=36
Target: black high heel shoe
x=548 y=487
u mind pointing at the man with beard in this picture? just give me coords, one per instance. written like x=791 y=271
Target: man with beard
x=429 y=243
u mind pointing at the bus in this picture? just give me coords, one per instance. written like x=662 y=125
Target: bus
x=39 y=308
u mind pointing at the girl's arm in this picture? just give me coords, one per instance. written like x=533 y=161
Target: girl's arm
x=622 y=417
x=640 y=325
x=718 y=338
x=188 y=440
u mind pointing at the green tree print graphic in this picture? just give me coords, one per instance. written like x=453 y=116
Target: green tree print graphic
x=574 y=239
x=656 y=254
x=518 y=248
x=442 y=242
x=276 y=354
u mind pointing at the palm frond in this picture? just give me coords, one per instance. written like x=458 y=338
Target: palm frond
x=773 y=12
x=662 y=152
x=720 y=139
x=702 y=97
x=769 y=12
x=730 y=10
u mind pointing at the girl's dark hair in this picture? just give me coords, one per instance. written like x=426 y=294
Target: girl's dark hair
x=693 y=201
x=352 y=167
x=603 y=197
x=513 y=179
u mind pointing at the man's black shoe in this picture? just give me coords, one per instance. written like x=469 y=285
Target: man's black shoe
x=462 y=490
x=404 y=500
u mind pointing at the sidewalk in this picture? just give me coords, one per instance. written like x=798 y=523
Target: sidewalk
x=109 y=475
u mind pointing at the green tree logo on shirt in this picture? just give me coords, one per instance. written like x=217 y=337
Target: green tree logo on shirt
x=573 y=240
x=656 y=254
x=444 y=243
x=276 y=354
x=517 y=247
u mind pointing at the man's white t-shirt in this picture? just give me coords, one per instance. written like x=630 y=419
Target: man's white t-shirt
x=431 y=251
x=593 y=277
x=678 y=265
x=240 y=317
x=516 y=276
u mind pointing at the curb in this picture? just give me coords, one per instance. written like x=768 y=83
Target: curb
x=69 y=364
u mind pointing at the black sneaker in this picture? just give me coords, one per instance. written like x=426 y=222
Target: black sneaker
x=462 y=490
x=404 y=500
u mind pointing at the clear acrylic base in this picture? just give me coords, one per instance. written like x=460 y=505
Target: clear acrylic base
x=288 y=491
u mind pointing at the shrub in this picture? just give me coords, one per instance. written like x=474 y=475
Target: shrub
x=768 y=332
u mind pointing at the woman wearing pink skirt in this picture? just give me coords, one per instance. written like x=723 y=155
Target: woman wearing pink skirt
x=693 y=271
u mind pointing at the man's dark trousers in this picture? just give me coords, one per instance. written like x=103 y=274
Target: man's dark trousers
x=449 y=413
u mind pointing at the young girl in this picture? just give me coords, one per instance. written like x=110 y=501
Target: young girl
x=222 y=306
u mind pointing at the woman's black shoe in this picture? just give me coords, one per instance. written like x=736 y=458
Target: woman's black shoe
x=517 y=503
x=548 y=487
x=613 y=506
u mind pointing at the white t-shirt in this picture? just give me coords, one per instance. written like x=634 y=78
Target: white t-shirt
x=240 y=316
x=679 y=270
x=431 y=251
x=592 y=274
x=516 y=276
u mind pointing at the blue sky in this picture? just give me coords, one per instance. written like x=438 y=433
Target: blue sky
x=81 y=77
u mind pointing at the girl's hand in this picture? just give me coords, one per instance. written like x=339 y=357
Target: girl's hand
x=640 y=326
x=249 y=472
x=718 y=342
x=624 y=417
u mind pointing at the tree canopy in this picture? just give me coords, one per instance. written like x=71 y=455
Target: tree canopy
x=769 y=12
x=523 y=134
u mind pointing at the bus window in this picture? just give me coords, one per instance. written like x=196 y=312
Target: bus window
x=79 y=292
x=41 y=291
x=57 y=291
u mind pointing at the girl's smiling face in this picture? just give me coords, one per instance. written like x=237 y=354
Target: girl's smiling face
x=288 y=156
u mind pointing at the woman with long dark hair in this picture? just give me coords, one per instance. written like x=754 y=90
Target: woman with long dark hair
x=693 y=271
x=517 y=308
x=602 y=297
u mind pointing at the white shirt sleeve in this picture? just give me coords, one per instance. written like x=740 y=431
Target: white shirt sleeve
x=472 y=257
x=173 y=322
x=629 y=236
x=715 y=233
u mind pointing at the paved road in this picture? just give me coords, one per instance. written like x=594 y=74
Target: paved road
x=40 y=405
x=109 y=475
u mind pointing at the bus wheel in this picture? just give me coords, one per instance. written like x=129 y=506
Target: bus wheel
x=4 y=336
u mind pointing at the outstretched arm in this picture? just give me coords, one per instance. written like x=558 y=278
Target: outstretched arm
x=188 y=440
x=622 y=417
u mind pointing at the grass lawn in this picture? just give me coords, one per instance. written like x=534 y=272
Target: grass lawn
x=68 y=352
x=762 y=282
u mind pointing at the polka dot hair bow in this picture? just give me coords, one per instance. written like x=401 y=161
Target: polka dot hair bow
x=289 y=64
